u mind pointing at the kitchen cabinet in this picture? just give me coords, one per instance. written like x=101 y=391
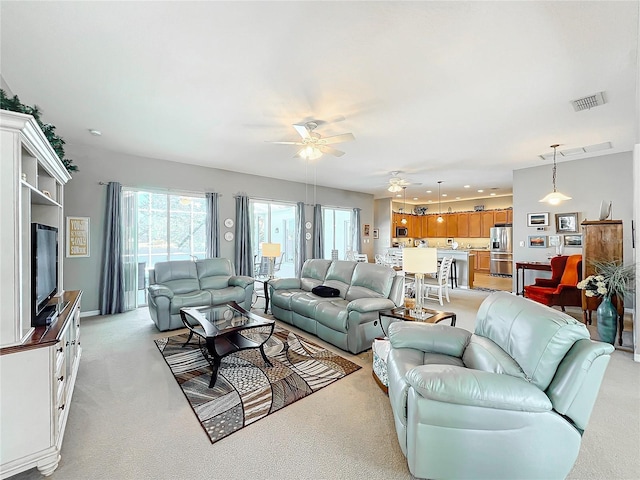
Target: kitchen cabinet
x=500 y=216
x=482 y=261
x=451 y=221
x=475 y=223
x=463 y=224
x=487 y=221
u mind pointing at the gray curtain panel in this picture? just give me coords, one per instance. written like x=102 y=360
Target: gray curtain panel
x=112 y=282
x=243 y=251
x=318 y=243
x=356 y=229
x=300 y=245
x=213 y=225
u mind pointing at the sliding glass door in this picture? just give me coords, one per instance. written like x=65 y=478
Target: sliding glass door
x=336 y=224
x=274 y=222
x=159 y=227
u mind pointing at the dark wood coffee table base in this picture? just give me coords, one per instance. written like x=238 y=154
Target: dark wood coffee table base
x=222 y=338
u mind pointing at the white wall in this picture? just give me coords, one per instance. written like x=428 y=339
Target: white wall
x=84 y=197
x=588 y=182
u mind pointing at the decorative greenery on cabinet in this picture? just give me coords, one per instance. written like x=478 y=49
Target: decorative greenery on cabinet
x=13 y=104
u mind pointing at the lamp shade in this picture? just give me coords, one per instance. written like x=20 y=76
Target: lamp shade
x=271 y=250
x=420 y=260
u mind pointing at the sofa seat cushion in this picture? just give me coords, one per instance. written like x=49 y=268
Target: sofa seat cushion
x=227 y=294
x=282 y=298
x=198 y=298
x=306 y=304
x=333 y=314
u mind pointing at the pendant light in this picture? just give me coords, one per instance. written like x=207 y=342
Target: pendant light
x=439 y=219
x=555 y=197
x=404 y=209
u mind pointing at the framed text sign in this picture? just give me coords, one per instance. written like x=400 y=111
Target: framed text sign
x=77 y=236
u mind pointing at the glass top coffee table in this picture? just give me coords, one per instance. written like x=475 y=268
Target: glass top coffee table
x=226 y=329
x=402 y=313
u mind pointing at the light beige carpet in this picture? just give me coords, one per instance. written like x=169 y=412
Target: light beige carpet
x=130 y=420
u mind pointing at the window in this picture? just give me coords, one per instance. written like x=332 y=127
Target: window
x=159 y=227
x=337 y=235
x=273 y=222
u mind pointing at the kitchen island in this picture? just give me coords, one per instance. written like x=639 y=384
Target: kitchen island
x=464 y=263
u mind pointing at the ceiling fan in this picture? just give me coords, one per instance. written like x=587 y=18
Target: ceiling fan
x=397 y=183
x=313 y=144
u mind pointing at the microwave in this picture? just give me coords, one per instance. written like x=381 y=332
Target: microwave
x=402 y=232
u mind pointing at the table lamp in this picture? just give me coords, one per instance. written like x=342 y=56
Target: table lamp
x=271 y=251
x=419 y=261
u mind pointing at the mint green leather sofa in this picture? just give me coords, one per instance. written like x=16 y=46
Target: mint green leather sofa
x=182 y=283
x=349 y=321
x=510 y=401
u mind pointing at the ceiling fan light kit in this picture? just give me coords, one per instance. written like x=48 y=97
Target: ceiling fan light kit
x=315 y=145
x=555 y=197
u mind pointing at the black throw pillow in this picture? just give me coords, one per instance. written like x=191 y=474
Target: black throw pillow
x=324 y=291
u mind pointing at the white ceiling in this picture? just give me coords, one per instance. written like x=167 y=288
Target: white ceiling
x=462 y=92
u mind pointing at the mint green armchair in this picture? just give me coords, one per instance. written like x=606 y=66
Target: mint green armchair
x=508 y=401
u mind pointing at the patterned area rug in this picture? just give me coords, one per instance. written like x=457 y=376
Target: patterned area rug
x=247 y=389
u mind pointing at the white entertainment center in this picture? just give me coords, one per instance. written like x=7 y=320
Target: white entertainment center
x=38 y=365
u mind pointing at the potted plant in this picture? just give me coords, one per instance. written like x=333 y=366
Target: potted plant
x=611 y=278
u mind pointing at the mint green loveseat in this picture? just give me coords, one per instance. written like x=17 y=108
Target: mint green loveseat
x=182 y=283
x=510 y=401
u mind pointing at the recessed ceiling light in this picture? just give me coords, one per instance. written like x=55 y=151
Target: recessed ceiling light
x=457 y=198
x=444 y=194
x=467 y=186
x=492 y=193
x=415 y=198
x=428 y=191
x=480 y=191
x=430 y=201
x=94 y=132
x=398 y=195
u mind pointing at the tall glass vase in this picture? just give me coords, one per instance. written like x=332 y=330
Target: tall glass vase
x=607 y=320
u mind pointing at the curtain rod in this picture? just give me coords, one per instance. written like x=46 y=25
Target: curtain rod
x=160 y=189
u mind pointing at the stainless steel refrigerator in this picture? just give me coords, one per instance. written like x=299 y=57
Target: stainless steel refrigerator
x=501 y=250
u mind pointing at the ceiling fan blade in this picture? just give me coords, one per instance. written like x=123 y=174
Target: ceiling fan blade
x=345 y=137
x=331 y=151
x=302 y=130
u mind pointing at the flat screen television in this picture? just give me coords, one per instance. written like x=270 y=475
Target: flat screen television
x=44 y=272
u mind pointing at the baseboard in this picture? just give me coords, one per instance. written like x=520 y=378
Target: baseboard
x=89 y=313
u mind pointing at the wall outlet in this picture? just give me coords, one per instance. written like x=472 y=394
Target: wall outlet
x=522 y=244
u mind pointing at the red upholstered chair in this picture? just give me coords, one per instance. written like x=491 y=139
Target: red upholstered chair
x=561 y=289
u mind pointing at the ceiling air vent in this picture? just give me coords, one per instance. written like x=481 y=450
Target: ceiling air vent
x=587 y=103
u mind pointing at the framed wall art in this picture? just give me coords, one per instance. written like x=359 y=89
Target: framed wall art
x=566 y=222
x=538 y=219
x=538 y=241
x=573 y=241
x=376 y=233
x=78 y=237
x=367 y=229
x=554 y=240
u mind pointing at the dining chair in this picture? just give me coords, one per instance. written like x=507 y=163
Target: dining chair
x=440 y=284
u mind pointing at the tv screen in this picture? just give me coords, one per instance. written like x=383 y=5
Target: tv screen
x=44 y=264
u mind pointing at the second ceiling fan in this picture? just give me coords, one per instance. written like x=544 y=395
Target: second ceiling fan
x=313 y=144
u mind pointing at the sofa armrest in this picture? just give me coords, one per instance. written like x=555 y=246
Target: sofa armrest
x=240 y=281
x=364 y=305
x=429 y=338
x=285 y=283
x=464 y=386
x=160 y=291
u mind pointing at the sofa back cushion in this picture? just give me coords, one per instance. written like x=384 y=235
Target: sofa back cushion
x=537 y=337
x=339 y=276
x=214 y=273
x=179 y=276
x=313 y=272
x=370 y=280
